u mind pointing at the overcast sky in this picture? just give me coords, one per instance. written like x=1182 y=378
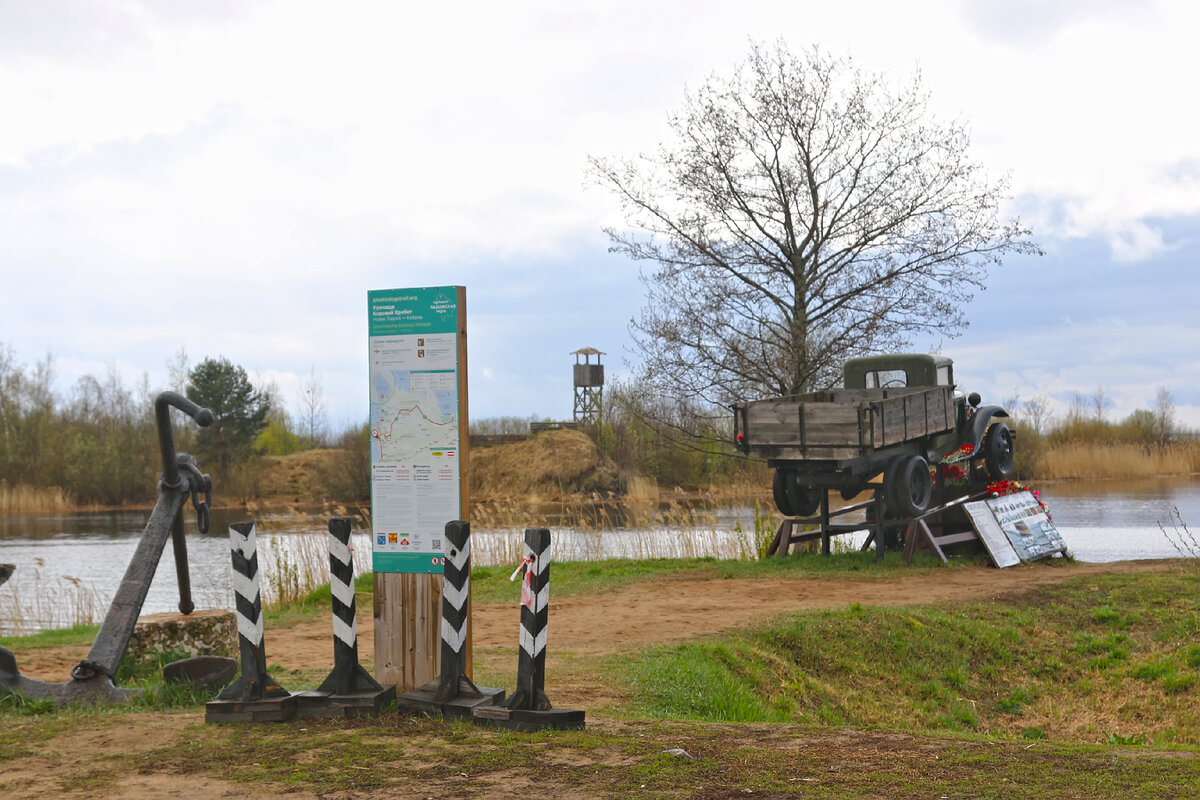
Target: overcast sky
x=231 y=177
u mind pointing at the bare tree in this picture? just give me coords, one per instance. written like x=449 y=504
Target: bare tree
x=1036 y=413
x=1099 y=402
x=1164 y=415
x=313 y=407
x=803 y=212
x=178 y=367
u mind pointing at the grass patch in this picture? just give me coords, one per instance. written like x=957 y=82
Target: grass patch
x=57 y=637
x=395 y=756
x=1049 y=663
x=490 y=584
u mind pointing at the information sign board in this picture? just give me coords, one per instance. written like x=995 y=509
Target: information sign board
x=417 y=356
x=993 y=536
x=1024 y=521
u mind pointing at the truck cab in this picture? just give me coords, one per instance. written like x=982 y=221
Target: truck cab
x=892 y=371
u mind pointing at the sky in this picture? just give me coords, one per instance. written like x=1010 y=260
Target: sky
x=230 y=178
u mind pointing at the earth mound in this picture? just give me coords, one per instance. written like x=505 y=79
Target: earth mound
x=549 y=464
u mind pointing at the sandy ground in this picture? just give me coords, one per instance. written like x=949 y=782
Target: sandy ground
x=670 y=609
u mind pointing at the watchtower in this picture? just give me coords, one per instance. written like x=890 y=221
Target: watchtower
x=589 y=385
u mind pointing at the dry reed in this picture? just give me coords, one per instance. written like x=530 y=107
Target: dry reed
x=1105 y=461
x=292 y=565
x=24 y=499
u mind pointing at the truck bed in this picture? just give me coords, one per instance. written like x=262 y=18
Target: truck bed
x=842 y=424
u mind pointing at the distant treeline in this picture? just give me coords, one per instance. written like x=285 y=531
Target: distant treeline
x=98 y=446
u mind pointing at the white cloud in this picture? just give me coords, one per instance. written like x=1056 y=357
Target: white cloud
x=233 y=176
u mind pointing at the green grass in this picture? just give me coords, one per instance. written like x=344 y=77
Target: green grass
x=58 y=637
x=1061 y=662
x=492 y=585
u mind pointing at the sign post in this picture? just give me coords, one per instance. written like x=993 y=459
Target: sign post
x=417 y=347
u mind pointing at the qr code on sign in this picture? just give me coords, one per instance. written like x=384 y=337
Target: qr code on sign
x=436 y=544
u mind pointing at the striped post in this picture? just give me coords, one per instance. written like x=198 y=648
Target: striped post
x=530 y=694
x=347 y=676
x=349 y=689
x=456 y=592
x=254 y=696
x=528 y=709
x=452 y=694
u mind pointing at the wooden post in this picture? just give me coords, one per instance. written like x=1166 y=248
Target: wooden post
x=408 y=635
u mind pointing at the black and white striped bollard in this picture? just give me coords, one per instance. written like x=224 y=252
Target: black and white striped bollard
x=349 y=689
x=254 y=696
x=453 y=693
x=535 y=617
x=528 y=708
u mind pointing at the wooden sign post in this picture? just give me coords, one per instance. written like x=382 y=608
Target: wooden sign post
x=417 y=341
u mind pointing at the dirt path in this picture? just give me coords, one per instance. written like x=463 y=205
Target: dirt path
x=668 y=609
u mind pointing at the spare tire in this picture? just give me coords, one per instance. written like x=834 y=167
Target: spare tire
x=998 y=451
x=779 y=491
x=804 y=499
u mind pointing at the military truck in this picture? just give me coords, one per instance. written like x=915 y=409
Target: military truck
x=899 y=416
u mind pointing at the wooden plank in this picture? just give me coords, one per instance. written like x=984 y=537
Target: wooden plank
x=408 y=614
x=831 y=419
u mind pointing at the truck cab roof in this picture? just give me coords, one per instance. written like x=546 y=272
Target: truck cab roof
x=896 y=370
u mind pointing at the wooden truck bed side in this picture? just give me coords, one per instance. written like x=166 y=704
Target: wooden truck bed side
x=843 y=424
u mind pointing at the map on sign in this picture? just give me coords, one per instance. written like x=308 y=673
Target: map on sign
x=413 y=415
x=415 y=426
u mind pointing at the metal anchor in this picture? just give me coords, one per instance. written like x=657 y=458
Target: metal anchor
x=94 y=678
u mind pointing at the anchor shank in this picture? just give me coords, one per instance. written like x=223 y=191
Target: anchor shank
x=117 y=628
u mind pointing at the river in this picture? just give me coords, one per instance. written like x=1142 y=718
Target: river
x=69 y=565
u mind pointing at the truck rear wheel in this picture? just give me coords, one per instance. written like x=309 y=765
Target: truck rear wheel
x=911 y=487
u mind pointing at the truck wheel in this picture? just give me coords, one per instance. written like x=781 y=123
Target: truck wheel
x=779 y=489
x=804 y=499
x=912 y=487
x=998 y=451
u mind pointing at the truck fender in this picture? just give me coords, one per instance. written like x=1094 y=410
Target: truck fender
x=979 y=422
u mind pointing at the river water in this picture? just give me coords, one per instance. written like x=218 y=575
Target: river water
x=69 y=566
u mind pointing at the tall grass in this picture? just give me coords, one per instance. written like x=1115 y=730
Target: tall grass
x=22 y=498
x=59 y=603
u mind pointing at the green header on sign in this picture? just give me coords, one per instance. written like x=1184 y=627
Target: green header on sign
x=408 y=562
x=403 y=312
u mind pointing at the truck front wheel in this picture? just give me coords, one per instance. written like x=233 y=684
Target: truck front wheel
x=998 y=451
